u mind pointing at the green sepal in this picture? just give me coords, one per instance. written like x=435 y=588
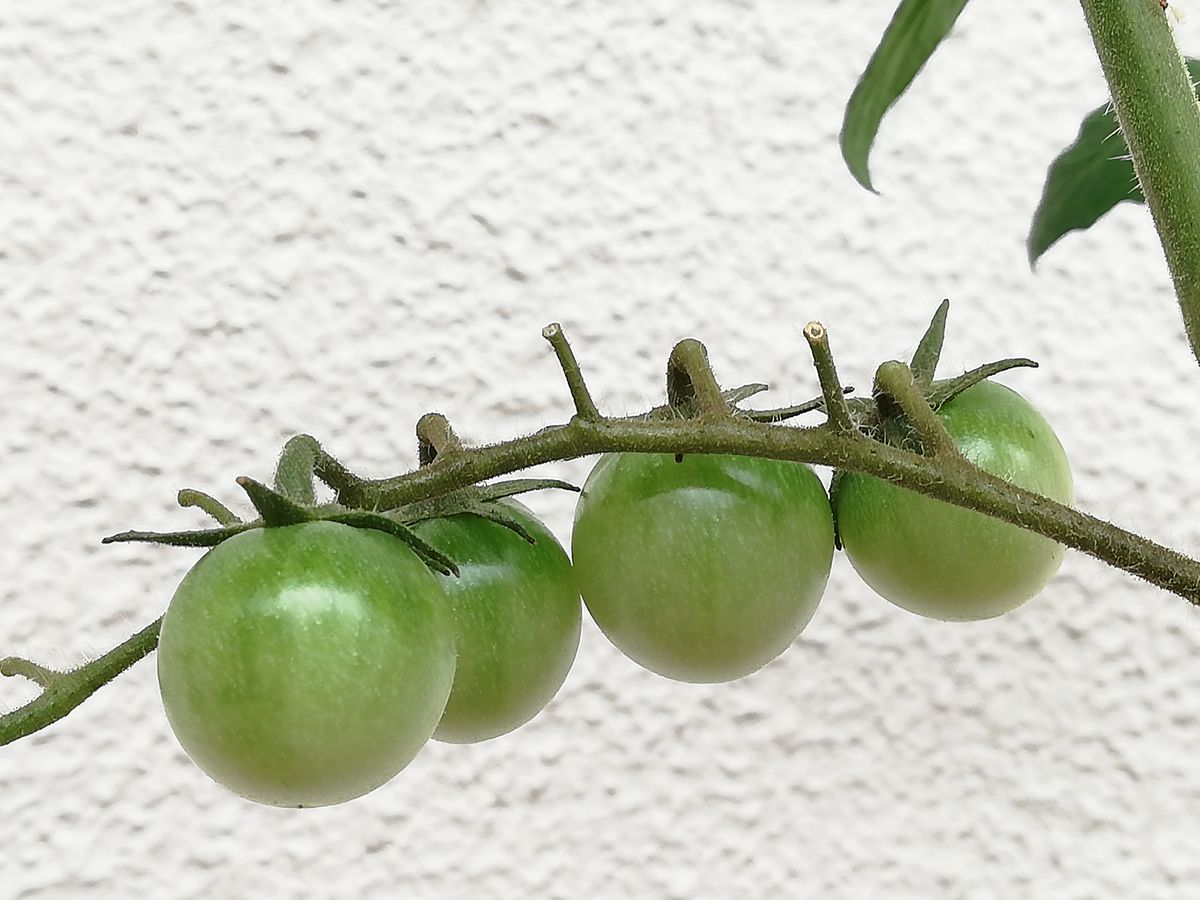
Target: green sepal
x=432 y=557
x=497 y=489
x=206 y=538
x=929 y=351
x=783 y=413
x=273 y=507
x=949 y=388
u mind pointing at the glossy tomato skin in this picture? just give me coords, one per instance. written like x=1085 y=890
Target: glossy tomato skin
x=516 y=613
x=306 y=665
x=945 y=562
x=704 y=569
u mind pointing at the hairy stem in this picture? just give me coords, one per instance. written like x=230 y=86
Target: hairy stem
x=836 y=407
x=691 y=383
x=63 y=691
x=585 y=406
x=898 y=382
x=435 y=435
x=1157 y=110
x=944 y=479
x=943 y=475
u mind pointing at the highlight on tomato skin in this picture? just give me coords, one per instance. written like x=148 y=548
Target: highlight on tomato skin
x=516 y=614
x=306 y=665
x=703 y=569
x=945 y=562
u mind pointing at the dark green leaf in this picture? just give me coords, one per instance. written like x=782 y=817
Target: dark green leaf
x=1088 y=179
x=914 y=33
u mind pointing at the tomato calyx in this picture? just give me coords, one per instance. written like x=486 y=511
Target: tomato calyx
x=292 y=501
x=480 y=500
x=881 y=417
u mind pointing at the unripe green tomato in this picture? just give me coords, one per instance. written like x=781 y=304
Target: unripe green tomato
x=516 y=614
x=306 y=665
x=946 y=562
x=703 y=569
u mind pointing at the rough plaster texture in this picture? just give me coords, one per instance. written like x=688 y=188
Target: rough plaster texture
x=222 y=223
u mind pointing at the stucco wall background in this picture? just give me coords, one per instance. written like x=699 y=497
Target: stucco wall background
x=223 y=223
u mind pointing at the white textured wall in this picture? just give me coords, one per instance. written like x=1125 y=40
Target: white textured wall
x=221 y=223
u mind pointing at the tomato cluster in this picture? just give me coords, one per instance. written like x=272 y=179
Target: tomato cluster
x=308 y=664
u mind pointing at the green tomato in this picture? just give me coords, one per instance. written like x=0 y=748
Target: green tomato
x=306 y=665
x=516 y=614
x=703 y=569
x=946 y=562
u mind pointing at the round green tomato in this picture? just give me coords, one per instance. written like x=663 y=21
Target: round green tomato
x=516 y=614
x=306 y=665
x=704 y=569
x=946 y=562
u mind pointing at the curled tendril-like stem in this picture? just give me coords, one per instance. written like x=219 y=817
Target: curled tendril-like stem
x=435 y=436
x=839 y=443
x=294 y=472
x=897 y=382
x=691 y=384
x=214 y=507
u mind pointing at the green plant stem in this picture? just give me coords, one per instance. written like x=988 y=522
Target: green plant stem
x=836 y=407
x=435 y=436
x=718 y=429
x=585 y=406
x=63 y=691
x=948 y=479
x=898 y=382
x=691 y=383
x=951 y=479
x=1158 y=113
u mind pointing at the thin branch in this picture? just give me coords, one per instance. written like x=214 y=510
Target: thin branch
x=63 y=691
x=831 y=388
x=211 y=505
x=585 y=406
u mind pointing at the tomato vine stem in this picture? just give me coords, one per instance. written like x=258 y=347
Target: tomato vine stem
x=435 y=437
x=897 y=381
x=836 y=407
x=691 y=384
x=67 y=690
x=585 y=406
x=943 y=476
